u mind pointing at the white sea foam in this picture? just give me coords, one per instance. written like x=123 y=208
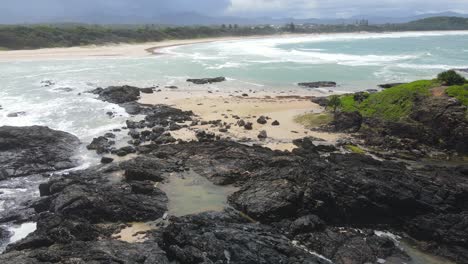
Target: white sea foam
x=428 y=66
x=226 y=65
x=21 y=231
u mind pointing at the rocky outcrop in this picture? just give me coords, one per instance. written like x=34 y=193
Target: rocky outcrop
x=207 y=80
x=81 y=252
x=228 y=238
x=323 y=84
x=93 y=196
x=435 y=122
x=346 y=122
x=118 y=94
x=31 y=150
x=446 y=119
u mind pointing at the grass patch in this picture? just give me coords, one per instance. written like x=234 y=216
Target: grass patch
x=392 y=104
x=355 y=149
x=314 y=120
x=3 y=49
x=460 y=92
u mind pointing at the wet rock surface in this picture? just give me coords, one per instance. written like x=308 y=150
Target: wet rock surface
x=317 y=84
x=118 y=94
x=207 y=80
x=31 y=150
x=291 y=207
x=229 y=238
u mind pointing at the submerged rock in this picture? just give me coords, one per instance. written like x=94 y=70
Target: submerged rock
x=207 y=80
x=318 y=84
x=31 y=150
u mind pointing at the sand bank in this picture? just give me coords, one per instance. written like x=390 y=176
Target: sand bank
x=230 y=108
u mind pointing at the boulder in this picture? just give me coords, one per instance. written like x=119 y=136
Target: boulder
x=262 y=120
x=248 y=126
x=101 y=145
x=118 y=94
x=262 y=135
x=31 y=150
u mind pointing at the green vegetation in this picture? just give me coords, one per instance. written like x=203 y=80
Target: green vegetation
x=355 y=149
x=67 y=35
x=391 y=104
x=460 y=92
x=439 y=23
x=334 y=102
x=451 y=78
x=313 y=120
x=45 y=36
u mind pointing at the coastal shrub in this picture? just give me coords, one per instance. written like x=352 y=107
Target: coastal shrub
x=334 y=103
x=451 y=78
x=460 y=92
x=312 y=120
x=391 y=104
x=348 y=104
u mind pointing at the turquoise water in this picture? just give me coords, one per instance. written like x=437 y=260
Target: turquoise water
x=356 y=61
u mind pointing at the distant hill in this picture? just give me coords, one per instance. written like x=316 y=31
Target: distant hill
x=193 y=18
x=440 y=23
x=376 y=20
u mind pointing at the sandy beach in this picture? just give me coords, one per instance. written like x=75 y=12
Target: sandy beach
x=232 y=107
x=110 y=50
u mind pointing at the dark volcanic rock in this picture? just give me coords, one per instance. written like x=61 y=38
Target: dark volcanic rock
x=31 y=150
x=92 y=196
x=93 y=252
x=317 y=84
x=207 y=80
x=322 y=101
x=352 y=246
x=118 y=94
x=262 y=135
x=4 y=235
x=262 y=120
x=164 y=115
x=347 y=122
x=101 y=145
x=275 y=123
x=446 y=120
x=147 y=90
x=248 y=126
x=390 y=85
x=228 y=238
x=106 y=160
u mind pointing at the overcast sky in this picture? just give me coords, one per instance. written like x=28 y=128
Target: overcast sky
x=44 y=9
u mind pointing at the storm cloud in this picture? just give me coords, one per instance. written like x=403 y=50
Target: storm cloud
x=45 y=10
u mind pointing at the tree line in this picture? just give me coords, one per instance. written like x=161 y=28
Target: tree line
x=68 y=35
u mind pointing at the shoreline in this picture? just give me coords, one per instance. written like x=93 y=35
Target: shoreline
x=147 y=49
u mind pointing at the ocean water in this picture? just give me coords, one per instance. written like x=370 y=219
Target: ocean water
x=357 y=61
